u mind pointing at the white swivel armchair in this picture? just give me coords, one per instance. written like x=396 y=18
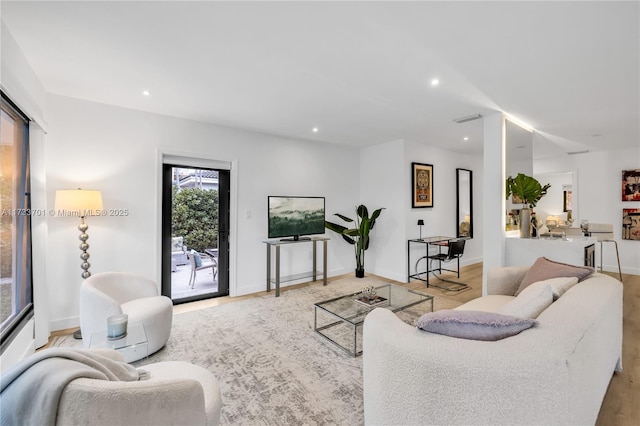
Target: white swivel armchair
x=113 y=293
x=93 y=388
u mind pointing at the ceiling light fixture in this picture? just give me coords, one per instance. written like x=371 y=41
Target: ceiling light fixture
x=314 y=130
x=465 y=138
x=467 y=118
x=146 y=92
x=435 y=82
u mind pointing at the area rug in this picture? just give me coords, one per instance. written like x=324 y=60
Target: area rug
x=271 y=366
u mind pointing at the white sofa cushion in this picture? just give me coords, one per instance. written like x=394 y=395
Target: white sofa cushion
x=530 y=302
x=491 y=303
x=473 y=325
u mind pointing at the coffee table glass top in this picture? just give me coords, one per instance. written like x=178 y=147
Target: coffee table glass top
x=398 y=298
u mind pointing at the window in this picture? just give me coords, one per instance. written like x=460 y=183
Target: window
x=16 y=295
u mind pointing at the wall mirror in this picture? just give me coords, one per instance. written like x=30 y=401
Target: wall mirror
x=560 y=202
x=464 y=203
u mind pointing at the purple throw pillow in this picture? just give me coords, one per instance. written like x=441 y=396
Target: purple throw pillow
x=473 y=325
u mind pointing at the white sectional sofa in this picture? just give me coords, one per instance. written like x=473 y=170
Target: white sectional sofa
x=554 y=373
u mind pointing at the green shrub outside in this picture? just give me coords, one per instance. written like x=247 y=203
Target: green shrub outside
x=195 y=217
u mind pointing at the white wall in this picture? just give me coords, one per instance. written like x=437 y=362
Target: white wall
x=598 y=183
x=382 y=184
x=115 y=150
x=441 y=219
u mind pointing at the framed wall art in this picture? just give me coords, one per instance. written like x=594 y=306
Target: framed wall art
x=631 y=185
x=421 y=185
x=631 y=224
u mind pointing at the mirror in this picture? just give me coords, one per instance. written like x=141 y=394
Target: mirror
x=559 y=203
x=464 y=203
x=519 y=159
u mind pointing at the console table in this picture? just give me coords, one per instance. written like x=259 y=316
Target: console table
x=277 y=279
x=572 y=250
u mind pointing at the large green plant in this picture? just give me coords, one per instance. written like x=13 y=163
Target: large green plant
x=359 y=235
x=526 y=188
x=195 y=217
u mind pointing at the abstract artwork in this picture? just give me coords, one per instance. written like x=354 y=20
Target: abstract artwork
x=421 y=185
x=631 y=185
x=631 y=224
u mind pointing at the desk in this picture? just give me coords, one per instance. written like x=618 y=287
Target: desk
x=314 y=273
x=439 y=242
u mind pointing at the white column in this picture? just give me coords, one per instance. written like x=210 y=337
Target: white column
x=493 y=204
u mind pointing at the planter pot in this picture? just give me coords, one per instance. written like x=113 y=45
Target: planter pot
x=360 y=273
x=525 y=223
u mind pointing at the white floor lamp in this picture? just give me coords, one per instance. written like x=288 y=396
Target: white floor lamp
x=80 y=203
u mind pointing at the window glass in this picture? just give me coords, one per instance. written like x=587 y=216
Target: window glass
x=15 y=224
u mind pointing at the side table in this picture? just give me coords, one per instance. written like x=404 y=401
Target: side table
x=133 y=346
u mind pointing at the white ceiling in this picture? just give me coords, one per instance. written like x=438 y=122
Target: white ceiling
x=359 y=71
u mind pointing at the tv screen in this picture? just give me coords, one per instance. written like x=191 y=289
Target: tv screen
x=295 y=216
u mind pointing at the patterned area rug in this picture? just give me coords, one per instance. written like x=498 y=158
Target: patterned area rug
x=272 y=368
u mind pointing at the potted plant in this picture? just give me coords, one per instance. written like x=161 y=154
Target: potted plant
x=357 y=236
x=528 y=191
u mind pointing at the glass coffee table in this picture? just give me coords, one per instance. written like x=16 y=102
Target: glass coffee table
x=340 y=320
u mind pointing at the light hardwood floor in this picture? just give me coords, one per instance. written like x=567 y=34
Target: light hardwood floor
x=621 y=405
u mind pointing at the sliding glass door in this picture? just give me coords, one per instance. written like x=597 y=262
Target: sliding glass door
x=16 y=293
x=195 y=233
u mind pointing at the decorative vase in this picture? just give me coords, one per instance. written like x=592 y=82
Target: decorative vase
x=369 y=292
x=525 y=223
x=360 y=273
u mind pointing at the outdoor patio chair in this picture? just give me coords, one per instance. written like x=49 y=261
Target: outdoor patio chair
x=199 y=262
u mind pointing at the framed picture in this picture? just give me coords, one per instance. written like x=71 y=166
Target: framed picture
x=631 y=224
x=566 y=200
x=421 y=185
x=631 y=185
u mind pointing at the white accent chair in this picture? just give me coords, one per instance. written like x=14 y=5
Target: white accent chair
x=176 y=392
x=113 y=293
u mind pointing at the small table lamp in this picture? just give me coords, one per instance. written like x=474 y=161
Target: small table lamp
x=420 y=223
x=81 y=203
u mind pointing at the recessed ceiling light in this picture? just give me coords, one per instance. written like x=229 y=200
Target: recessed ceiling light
x=466 y=138
x=435 y=82
x=314 y=130
x=146 y=92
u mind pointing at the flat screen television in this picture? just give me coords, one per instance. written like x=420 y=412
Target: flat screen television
x=294 y=217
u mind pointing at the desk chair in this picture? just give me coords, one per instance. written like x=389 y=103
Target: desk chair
x=604 y=234
x=454 y=252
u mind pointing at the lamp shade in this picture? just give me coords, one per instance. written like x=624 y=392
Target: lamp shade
x=420 y=222
x=80 y=202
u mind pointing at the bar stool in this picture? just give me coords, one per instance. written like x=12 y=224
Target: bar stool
x=604 y=233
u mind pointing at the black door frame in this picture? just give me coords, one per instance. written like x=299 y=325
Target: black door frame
x=224 y=191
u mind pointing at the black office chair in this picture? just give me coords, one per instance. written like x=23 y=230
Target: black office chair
x=454 y=252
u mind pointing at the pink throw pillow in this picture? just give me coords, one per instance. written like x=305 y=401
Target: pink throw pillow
x=544 y=269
